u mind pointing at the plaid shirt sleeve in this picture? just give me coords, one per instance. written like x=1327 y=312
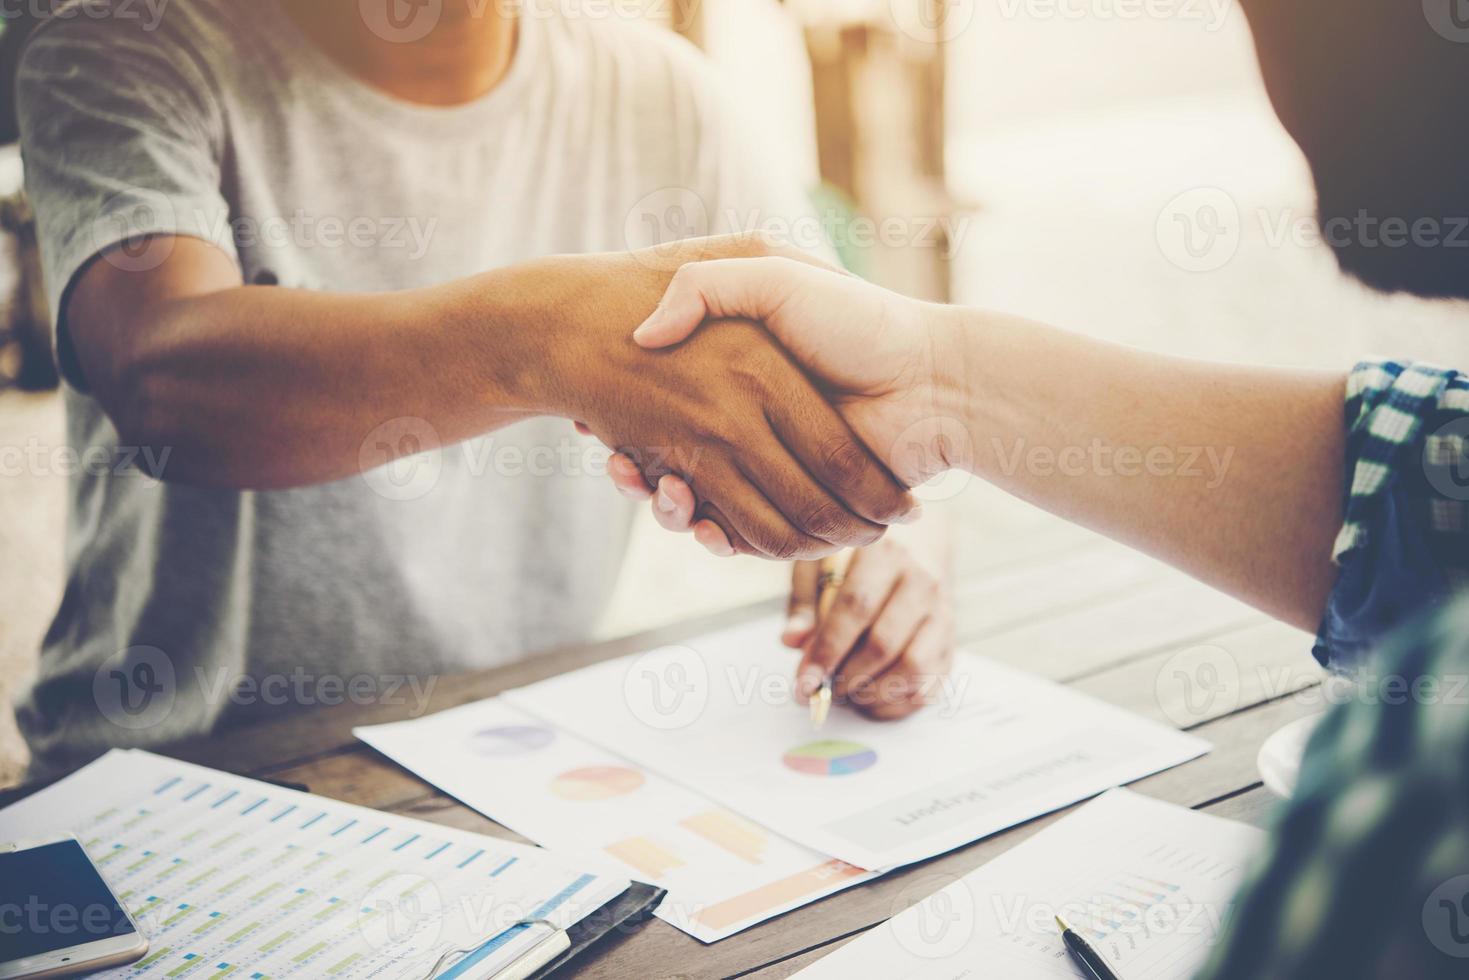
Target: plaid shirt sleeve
x=1366 y=874
x=1404 y=543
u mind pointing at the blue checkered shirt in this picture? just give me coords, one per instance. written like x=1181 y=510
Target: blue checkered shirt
x=1402 y=546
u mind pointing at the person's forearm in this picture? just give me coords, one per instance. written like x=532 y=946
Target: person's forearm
x=1231 y=473
x=266 y=388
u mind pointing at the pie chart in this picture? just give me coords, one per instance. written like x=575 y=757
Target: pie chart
x=504 y=740
x=596 y=783
x=830 y=758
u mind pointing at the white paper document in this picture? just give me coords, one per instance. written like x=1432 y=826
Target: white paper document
x=723 y=873
x=1146 y=883
x=227 y=875
x=997 y=747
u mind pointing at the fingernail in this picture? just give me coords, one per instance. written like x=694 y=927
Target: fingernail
x=913 y=516
x=665 y=502
x=800 y=621
x=808 y=682
x=647 y=326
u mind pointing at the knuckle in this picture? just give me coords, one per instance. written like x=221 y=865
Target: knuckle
x=825 y=652
x=826 y=520
x=844 y=462
x=881 y=644
x=781 y=547
x=855 y=602
x=684 y=276
x=929 y=587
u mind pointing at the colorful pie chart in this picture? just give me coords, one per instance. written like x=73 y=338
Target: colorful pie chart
x=830 y=757
x=504 y=740
x=596 y=783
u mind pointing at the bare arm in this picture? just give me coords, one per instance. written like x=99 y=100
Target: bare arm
x=1231 y=473
x=262 y=387
x=254 y=387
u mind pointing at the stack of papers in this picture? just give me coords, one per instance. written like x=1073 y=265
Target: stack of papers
x=223 y=872
x=1147 y=884
x=692 y=767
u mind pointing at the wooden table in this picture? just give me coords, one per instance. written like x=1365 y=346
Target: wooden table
x=1067 y=606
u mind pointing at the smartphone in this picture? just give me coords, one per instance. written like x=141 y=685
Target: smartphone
x=58 y=917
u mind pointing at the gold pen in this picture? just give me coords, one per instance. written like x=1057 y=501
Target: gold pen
x=831 y=573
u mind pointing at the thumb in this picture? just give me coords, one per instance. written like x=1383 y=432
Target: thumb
x=718 y=289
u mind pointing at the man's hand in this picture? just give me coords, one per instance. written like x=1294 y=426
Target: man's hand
x=771 y=460
x=889 y=637
x=870 y=350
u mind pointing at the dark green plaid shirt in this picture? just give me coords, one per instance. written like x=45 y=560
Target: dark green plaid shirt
x=1367 y=872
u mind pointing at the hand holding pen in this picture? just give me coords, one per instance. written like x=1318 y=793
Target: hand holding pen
x=880 y=640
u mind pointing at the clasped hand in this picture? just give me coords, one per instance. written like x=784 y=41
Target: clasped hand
x=889 y=636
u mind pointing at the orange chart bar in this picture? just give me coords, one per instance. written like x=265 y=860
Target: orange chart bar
x=645 y=855
x=778 y=894
x=735 y=834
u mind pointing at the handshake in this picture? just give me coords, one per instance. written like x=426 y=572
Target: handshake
x=782 y=408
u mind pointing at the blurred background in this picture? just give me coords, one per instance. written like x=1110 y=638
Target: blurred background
x=1105 y=165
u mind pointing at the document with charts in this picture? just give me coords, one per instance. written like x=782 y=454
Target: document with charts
x=227 y=875
x=1146 y=883
x=723 y=873
x=717 y=715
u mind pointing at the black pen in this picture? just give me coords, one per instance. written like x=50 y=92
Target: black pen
x=1081 y=951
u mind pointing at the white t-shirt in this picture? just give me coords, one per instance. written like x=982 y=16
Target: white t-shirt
x=186 y=607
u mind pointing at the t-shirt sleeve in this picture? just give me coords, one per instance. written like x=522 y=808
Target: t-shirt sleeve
x=121 y=137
